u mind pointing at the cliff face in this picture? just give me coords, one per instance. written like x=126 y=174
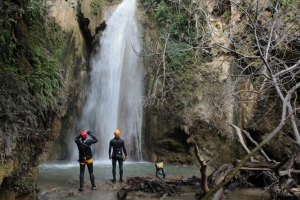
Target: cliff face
x=85 y=21
x=203 y=78
x=50 y=67
x=188 y=96
x=65 y=33
x=187 y=115
x=74 y=81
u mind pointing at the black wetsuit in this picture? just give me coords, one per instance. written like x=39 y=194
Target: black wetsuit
x=117 y=144
x=85 y=157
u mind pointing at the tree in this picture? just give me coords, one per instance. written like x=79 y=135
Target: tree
x=274 y=37
x=261 y=42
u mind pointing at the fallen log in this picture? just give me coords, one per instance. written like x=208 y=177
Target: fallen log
x=256 y=169
x=257 y=164
x=217 y=176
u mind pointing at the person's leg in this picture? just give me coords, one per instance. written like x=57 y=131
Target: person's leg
x=81 y=176
x=120 y=162
x=114 y=163
x=92 y=177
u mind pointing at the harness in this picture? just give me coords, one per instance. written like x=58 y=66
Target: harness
x=84 y=160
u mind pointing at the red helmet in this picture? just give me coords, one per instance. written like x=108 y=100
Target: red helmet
x=83 y=134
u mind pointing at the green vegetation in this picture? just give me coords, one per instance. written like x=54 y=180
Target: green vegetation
x=292 y=3
x=27 y=184
x=177 y=31
x=96 y=9
x=31 y=57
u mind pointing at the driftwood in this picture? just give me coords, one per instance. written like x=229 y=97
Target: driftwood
x=282 y=178
x=159 y=187
x=238 y=132
x=261 y=150
x=279 y=178
x=217 y=176
x=257 y=164
x=203 y=164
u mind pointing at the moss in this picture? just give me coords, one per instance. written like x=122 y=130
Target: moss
x=292 y=3
x=95 y=42
x=226 y=16
x=31 y=81
x=5 y=168
x=96 y=8
x=217 y=25
x=27 y=184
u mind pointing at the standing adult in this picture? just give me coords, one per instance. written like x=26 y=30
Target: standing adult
x=85 y=156
x=117 y=146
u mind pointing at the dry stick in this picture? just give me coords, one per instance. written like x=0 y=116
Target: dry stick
x=273 y=166
x=238 y=132
x=261 y=150
x=202 y=170
x=149 y=184
x=256 y=169
x=178 y=186
x=283 y=173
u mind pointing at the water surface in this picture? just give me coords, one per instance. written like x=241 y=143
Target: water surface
x=59 y=180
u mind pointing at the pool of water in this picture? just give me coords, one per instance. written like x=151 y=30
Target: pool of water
x=59 y=180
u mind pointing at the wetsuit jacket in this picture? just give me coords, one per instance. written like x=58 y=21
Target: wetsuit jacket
x=84 y=147
x=117 y=144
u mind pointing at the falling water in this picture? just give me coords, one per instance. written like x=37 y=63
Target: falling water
x=115 y=97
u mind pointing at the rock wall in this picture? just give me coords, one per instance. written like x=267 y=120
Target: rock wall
x=202 y=111
x=75 y=79
x=85 y=20
x=21 y=165
x=170 y=128
x=169 y=134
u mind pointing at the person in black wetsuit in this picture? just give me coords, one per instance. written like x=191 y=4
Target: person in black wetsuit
x=85 y=156
x=117 y=144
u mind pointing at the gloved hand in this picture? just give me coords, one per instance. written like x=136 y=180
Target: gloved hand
x=90 y=133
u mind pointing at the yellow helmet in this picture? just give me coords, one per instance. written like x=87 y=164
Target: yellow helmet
x=117 y=133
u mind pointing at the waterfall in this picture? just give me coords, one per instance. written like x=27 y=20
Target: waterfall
x=115 y=97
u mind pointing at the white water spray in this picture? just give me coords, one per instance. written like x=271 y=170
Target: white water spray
x=115 y=96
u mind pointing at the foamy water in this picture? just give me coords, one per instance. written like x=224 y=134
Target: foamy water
x=57 y=180
x=115 y=97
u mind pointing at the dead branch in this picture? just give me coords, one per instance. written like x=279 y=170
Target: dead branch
x=261 y=150
x=256 y=169
x=202 y=169
x=238 y=132
x=272 y=166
